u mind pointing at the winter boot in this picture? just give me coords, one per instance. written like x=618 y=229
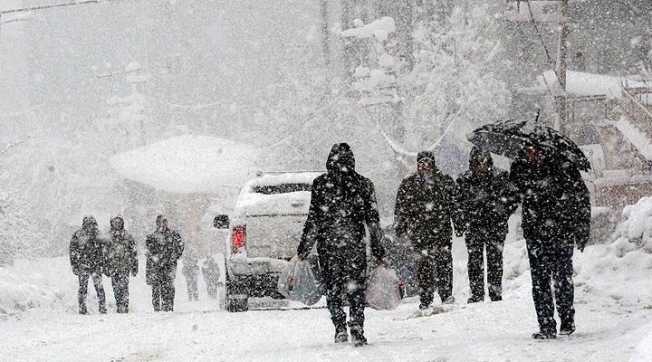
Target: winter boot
x=102 y=309
x=544 y=335
x=341 y=335
x=449 y=300
x=567 y=328
x=474 y=299
x=357 y=336
x=82 y=309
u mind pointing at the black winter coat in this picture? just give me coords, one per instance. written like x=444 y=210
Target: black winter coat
x=122 y=257
x=424 y=210
x=485 y=202
x=342 y=203
x=164 y=248
x=556 y=202
x=87 y=253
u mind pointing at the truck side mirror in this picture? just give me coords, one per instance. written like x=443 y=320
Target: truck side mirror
x=221 y=222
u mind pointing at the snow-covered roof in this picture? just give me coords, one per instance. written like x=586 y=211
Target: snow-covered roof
x=188 y=164
x=588 y=84
x=634 y=135
x=379 y=28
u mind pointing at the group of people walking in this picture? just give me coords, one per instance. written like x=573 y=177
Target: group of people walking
x=116 y=256
x=429 y=206
x=556 y=215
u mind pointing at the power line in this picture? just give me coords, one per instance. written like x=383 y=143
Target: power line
x=52 y=6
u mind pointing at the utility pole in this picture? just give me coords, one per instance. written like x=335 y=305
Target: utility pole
x=324 y=31
x=562 y=66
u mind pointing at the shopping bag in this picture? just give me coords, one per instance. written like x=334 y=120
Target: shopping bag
x=299 y=283
x=383 y=289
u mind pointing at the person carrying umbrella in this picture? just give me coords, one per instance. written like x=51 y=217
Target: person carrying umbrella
x=556 y=211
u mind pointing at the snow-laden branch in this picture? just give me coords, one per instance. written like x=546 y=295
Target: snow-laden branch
x=395 y=145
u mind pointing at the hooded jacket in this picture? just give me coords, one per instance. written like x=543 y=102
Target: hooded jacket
x=342 y=203
x=484 y=201
x=122 y=257
x=556 y=202
x=164 y=248
x=87 y=251
x=424 y=208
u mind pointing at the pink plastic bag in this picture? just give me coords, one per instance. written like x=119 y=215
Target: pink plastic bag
x=383 y=289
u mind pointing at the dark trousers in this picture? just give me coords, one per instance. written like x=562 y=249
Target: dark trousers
x=193 y=291
x=163 y=292
x=120 y=283
x=477 y=242
x=435 y=270
x=83 y=290
x=552 y=260
x=354 y=290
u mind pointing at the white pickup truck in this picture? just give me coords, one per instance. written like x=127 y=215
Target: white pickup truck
x=265 y=230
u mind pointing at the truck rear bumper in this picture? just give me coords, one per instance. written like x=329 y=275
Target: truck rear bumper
x=259 y=285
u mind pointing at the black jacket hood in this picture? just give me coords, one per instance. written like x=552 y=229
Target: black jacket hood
x=341 y=160
x=117 y=223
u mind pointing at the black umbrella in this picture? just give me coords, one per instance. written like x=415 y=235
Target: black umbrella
x=511 y=138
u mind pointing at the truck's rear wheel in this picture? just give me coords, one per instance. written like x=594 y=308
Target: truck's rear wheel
x=236 y=304
x=237 y=299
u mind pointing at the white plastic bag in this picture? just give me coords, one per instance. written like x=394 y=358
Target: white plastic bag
x=298 y=282
x=383 y=289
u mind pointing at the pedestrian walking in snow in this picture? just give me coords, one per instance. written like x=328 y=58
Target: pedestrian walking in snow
x=423 y=212
x=87 y=258
x=164 y=248
x=122 y=260
x=211 y=272
x=556 y=216
x=342 y=203
x=485 y=199
x=190 y=271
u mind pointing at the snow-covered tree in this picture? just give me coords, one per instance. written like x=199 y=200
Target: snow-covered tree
x=454 y=86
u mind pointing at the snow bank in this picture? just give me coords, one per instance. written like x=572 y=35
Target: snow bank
x=620 y=270
x=644 y=349
x=188 y=164
x=23 y=287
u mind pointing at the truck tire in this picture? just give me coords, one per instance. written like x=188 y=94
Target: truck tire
x=237 y=300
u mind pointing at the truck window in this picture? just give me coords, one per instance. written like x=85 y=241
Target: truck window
x=281 y=188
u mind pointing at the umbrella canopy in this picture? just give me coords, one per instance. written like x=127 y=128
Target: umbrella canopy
x=188 y=164
x=511 y=138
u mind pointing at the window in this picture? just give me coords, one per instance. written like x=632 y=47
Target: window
x=281 y=188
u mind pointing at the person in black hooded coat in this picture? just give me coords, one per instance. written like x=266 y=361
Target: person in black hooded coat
x=87 y=259
x=423 y=212
x=485 y=199
x=122 y=260
x=164 y=247
x=342 y=203
x=556 y=217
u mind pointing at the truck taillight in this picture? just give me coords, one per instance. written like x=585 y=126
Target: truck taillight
x=238 y=239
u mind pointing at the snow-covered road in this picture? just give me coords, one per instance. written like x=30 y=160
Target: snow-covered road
x=611 y=327
x=481 y=332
